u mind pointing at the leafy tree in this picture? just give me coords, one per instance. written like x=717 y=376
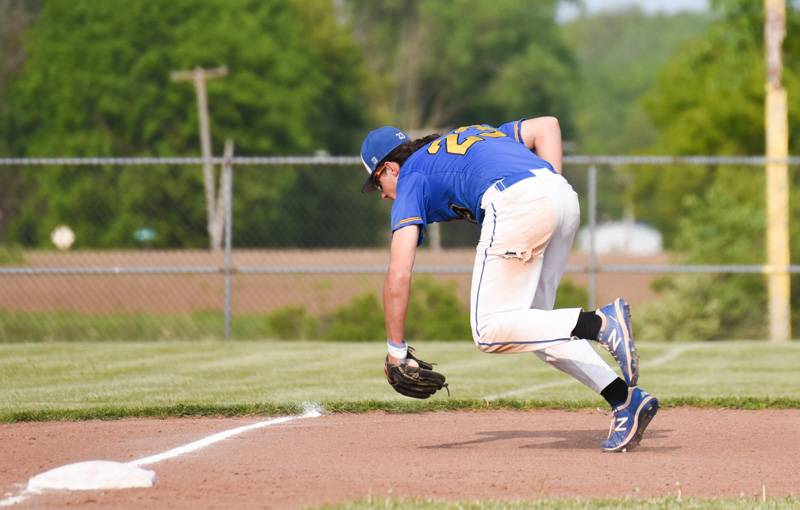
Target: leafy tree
x=96 y=83
x=723 y=226
x=15 y=18
x=619 y=54
x=438 y=63
x=709 y=100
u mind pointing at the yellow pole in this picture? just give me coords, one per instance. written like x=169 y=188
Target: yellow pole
x=777 y=142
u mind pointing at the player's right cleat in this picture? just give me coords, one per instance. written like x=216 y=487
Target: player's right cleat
x=630 y=421
x=616 y=336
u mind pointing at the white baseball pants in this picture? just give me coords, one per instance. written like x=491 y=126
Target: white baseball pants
x=526 y=237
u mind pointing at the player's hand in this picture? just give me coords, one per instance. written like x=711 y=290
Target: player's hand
x=413 y=377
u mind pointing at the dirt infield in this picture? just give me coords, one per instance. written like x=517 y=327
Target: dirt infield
x=503 y=455
x=252 y=293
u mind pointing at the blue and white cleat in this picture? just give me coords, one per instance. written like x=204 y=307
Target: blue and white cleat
x=630 y=421
x=616 y=336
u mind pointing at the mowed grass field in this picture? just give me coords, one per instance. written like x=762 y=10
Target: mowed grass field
x=84 y=380
x=80 y=380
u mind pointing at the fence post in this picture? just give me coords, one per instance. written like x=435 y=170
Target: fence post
x=592 y=232
x=435 y=236
x=227 y=190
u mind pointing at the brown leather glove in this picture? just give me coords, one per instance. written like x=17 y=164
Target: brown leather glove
x=413 y=377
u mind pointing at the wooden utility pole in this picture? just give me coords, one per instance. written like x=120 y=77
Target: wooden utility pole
x=215 y=216
x=777 y=142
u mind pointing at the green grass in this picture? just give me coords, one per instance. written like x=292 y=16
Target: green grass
x=82 y=380
x=11 y=255
x=670 y=503
x=17 y=327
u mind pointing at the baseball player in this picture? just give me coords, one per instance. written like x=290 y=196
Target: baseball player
x=507 y=180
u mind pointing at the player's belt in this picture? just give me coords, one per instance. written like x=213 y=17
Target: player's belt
x=512 y=179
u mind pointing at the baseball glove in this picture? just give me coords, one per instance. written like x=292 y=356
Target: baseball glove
x=413 y=377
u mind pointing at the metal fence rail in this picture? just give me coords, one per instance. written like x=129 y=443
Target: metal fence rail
x=603 y=268
x=354 y=160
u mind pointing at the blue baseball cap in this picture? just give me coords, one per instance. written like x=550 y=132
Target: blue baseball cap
x=377 y=145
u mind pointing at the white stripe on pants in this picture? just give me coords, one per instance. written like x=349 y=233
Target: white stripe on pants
x=527 y=235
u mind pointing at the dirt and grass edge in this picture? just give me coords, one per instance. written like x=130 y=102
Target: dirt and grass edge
x=355 y=407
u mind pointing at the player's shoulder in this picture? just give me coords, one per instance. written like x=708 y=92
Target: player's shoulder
x=417 y=161
x=410 y=174
x=512 y=129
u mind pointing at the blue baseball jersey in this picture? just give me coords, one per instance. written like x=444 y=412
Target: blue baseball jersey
x=445 y=179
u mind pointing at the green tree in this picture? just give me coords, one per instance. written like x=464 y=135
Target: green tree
x=438 y=63
x=96 y=83
x=15 y=18
x=619 y=54
x=710 y=100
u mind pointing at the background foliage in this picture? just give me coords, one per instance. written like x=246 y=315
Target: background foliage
x=618 y=56
x=444 y=63
x=86 y=78
x=96 y=82
x=709 y=99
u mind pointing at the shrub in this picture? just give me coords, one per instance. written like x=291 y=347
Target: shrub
x=571 y=296
x=11 y=255
x=435 y=312
x=292 y=323
x=688 y=310
x=361 y=320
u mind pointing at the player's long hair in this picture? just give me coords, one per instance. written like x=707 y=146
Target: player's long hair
x=402 y=152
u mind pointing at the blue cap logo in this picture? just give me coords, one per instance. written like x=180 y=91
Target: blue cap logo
x=377 y=145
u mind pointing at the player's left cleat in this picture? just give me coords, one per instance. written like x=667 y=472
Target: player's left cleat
x=616 y=335
x=630 y=421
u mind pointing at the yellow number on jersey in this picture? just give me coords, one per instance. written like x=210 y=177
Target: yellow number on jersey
x=434 y=147
x=453 y=146
x=489 y=132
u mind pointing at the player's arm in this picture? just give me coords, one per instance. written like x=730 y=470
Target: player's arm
x=397 y=286
x=543 y=136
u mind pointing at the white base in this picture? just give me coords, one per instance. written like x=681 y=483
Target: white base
x=93 y=475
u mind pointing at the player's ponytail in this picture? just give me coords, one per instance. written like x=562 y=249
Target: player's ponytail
x=402 y=152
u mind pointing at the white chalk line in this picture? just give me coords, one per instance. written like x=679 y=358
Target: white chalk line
x=214 y=438
x=665 y=358
x=311 y=411
x=670 y=355
x=13 y=500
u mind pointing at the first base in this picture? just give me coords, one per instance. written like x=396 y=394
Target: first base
x=93 y=475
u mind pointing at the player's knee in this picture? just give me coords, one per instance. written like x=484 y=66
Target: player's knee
x=485 y=337
x=490 y=348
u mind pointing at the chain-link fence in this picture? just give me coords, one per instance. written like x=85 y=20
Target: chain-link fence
x=302 y=252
